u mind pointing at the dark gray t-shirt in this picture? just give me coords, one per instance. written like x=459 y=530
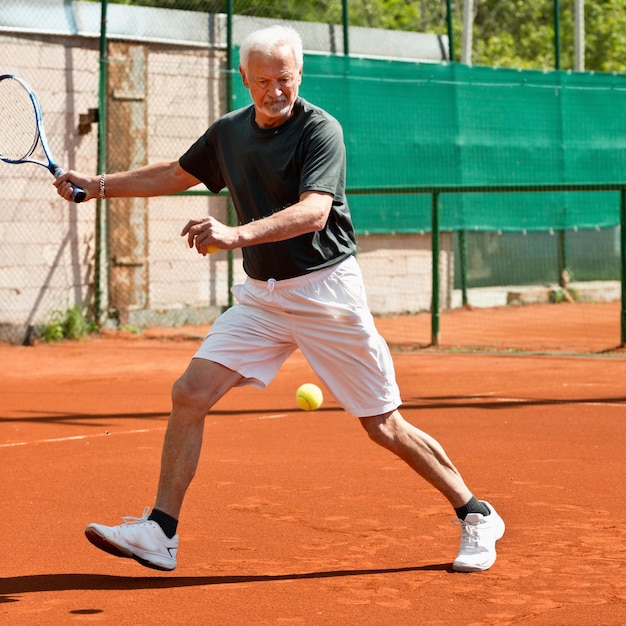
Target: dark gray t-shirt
x=266 y=170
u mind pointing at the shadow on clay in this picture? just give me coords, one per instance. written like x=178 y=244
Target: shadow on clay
x=102 y=582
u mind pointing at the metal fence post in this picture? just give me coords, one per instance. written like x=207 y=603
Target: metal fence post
x=100 y=227
x=346 y=27
x=622 y=222
x=449 y=23
x=435 y=306
x=230 y=212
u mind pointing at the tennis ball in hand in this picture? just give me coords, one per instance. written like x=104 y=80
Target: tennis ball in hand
x=211 y=249
x=309 y=397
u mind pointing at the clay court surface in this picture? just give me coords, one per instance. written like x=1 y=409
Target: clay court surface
x=296 y=518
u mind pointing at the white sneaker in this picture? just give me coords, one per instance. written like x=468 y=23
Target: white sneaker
x=479 y=534
x=137 y=538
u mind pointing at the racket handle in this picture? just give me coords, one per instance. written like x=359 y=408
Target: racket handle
x=78 y=194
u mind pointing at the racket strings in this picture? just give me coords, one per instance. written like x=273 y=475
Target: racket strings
x=18 y=121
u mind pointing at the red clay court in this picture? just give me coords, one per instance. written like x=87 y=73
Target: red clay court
x=296 y=518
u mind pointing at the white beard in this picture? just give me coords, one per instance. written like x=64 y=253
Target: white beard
x=279 y=108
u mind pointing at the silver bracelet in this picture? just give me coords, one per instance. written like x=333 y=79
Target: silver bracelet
x=101 y=193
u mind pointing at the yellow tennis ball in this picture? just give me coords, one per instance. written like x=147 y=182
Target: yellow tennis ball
x=309 y=397
x=211 y=249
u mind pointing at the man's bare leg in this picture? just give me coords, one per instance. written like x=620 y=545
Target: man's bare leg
x=421 y=452
x=481 y=526
x=193 y=394
x=152 y=540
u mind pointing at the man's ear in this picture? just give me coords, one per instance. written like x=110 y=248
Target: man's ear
x=243 y=77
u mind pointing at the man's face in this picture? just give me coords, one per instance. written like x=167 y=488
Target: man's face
x=273 y=81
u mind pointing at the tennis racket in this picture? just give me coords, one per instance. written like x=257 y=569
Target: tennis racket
x=21 y=128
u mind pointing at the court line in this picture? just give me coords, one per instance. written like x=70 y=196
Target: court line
x=17 y=444
x=261 y=417
x=79 y=437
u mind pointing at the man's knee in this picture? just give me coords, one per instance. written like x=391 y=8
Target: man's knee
x=382 y=429
x=202 y=385
x=187 y=394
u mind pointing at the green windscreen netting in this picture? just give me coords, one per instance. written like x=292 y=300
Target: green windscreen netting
x=409 y=124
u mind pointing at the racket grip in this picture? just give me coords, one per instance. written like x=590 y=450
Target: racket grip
x=78 y=194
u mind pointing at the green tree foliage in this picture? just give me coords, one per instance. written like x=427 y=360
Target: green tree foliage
x=606 y=36
x=517 y=34
x=520 y=34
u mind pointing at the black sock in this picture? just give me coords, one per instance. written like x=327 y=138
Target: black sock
x=473 y=506
x=165 y=521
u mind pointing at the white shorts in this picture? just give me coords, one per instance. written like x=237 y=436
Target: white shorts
x=323 y=313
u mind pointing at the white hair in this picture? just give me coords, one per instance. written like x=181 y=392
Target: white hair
x=267 y=40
